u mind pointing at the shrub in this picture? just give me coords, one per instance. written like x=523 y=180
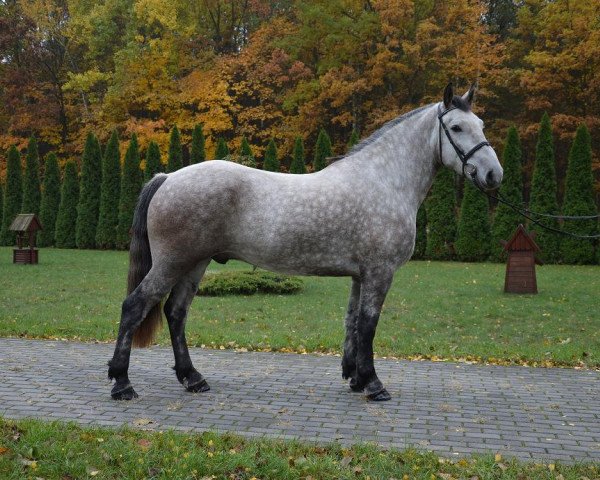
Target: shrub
x=89 y=194
x=106 y=233
x=175 y=160
x=271 y=162
x=247 y=158
x=222 y=150
x=473 y=233
x=153 y=163
x=298 y=165
x=248 y=283
x=66 y=220
x=322 y=151
x=31 y=181
x=421 y=238
x=131 y=186
x=506 y=219
x=441 y=217
x=354 y=139
x=579 y=201
x=50 y=201
x=543 y=193
x=13 y=195
x=198 y=153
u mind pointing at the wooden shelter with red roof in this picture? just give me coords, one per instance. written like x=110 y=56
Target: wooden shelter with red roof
x=520 y=266
x=26 y=225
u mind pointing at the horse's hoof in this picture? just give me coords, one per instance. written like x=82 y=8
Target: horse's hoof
x=127 y=393
x=380 y=396
x=201 y=386
x=354 y=386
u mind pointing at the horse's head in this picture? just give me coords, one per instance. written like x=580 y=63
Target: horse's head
x=463 y=146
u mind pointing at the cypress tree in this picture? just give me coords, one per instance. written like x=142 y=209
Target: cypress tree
x=421 y=238
x=246 y=154
x=579 y=201
x=271 y=162
x=89 y=194
x=322 y=151
x=106 y=233
x=175 y=160
x=1 y=206
x=506 y=219
x=66 y=220
x=543 y=192
x=13 y=195
x=31 y=181
x=153 y=163
x=131 y=185
x=473 y=238
x=198 y=153
x=222 y=150
x=50 y=201
x=298 y=165
x=441 y=218
x=354 y=139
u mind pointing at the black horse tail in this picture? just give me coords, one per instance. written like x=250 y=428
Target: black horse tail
x=140 y=261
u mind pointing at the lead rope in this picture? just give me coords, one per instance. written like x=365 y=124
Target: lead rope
x=521 y=211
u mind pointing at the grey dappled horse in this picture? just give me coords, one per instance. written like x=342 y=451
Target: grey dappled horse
x=355 y=218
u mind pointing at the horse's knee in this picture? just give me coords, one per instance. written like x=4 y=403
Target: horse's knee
x=174 y=313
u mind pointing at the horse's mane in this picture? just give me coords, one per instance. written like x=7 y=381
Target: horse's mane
x=457 y=101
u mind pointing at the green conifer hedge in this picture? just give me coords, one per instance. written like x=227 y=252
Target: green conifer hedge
x=473 y=234
x=271 y=162
x=31 y=181
x=13 y=195
x=441 y=217
x=298 y=165
x=106 y=233
x=222 y=151
x=50 y=201
x=322 y=151
x=198 y=152
x=131 y=185
x=89 y=194
x=175 y=159
x=66 y=220
x=153 y=162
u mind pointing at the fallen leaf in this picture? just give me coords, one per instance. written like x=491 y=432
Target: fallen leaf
x=3 y=450
x=144 y=443
x=498 y=457
x=142 y=421
x=344 y=462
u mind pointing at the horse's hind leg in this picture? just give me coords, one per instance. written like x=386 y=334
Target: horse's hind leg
x=136 y=306
x=349 y=358
x=176 y=310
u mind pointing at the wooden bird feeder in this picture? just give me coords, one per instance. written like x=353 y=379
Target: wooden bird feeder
x=520 y=266
x=26 y=225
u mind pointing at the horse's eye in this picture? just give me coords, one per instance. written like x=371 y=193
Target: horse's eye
x=456 y=128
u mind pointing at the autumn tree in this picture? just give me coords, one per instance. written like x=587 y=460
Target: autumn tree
x=271 y=162
x=222 y=150
x=441 y=217
x=298 y=165
x=544 y=191
x=153 y=162
x=579 y=201
x=106 y=233
x=31 y=180
x=66 y=220
x=175 y=159
x=89 y=194
x=50 y=201
x=198 y=152
x=1 y=206
x=131 y=185
x=13 y=195
x=421 y=237
x=506 y=219
x=322 y=151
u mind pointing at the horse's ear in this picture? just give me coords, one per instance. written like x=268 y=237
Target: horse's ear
x=468 y=97
x=448 y=95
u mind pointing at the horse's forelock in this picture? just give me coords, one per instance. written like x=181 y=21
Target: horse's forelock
x=460 y=103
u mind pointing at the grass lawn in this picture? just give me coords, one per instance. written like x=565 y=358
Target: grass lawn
x=34 y=449
x=434 y=310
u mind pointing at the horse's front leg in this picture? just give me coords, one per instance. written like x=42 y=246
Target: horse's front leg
x=374 y=288
x=349 y=358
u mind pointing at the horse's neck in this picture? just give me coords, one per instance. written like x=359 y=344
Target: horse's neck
x=404 y=159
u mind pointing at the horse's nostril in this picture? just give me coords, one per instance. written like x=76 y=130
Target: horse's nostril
x=489 y=178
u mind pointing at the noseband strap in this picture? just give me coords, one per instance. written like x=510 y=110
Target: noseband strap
x=464 y=157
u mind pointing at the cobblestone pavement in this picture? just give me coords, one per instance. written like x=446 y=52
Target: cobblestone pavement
x=452 y=409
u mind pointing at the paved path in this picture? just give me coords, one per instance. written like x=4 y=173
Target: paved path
x=452 y=409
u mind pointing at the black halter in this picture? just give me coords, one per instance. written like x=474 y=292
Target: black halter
x=464 y=157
